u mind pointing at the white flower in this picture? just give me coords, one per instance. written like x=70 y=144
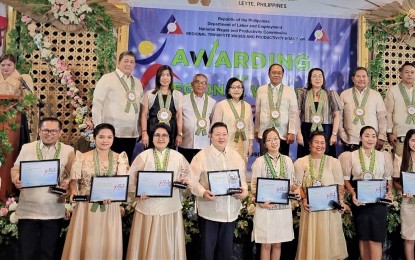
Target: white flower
x=69 y=207
x=13 y=218
x=53 y=61
x=13 y=206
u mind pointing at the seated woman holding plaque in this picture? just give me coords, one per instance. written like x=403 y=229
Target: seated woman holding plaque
x=271 y=166
x=237 y=115
x=95 y=231
x=157 y=231
x=162 y=105
x=320 y=234
x=369 y=216
x=403 y=167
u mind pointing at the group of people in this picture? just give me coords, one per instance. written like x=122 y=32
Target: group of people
x=219 y=137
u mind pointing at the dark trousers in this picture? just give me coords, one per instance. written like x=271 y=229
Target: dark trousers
x=284 y=147
x=188 y=153
x=350 y=147
x=124 y=145
x=217 y=239
x=37 y=238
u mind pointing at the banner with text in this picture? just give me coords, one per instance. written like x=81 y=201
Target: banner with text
x=224 y=45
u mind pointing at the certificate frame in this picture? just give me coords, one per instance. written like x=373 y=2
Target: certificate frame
x=320 y=197
x=221 y=181
x=114 y=188
x=408 y=182
x=157 y=184
x=370 y=191
x=40 y=173
x=281 y=187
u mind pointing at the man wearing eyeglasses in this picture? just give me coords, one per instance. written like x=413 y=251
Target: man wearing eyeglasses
x=197 y=110
x=276 y=106
x=40 y=211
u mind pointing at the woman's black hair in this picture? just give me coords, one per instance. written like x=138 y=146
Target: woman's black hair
x=158 y=77
x=406 y=154
x=309 y=86
x=228 y=87
x=363 y=129
x=102 y=126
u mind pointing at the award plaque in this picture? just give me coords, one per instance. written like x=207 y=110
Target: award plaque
x=154 y=184
x=322 y=198
x=112 y=188
x=272 y=190
x=224 y=183
x=39 y=173
x=408 y=182
x=371 y=191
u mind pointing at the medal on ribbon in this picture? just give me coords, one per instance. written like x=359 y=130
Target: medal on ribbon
x=239 y=120
x=316 y=180
x=275 y=106
x=201 y=122
x=410 y=104
x=316 y=114
x=164 y=114
x=359 y=110
x=367 y=174
x=129 y=93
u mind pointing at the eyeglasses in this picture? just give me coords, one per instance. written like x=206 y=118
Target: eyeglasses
x=49 y=131
x=236 y=87
x=203 y=83
x=271 y=140
x=161 y=136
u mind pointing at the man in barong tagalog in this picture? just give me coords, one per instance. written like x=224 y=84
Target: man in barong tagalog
x=116 y=101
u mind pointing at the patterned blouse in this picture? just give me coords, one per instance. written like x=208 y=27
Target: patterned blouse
x=332 y=104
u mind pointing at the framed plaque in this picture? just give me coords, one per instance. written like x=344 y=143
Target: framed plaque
x=370 y=191
x=112 y=188
x=154 y=184
x=408 y=182
x=272 y=190
x=222 y=183
x=322 y=197
x=39 y=173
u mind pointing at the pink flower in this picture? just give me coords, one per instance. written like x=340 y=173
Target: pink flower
x=3 y=212
x=82 y=17
x=26 y=19
x=89 y=124
x=9 y=201
x=63 y=8
x=76 y=4
x=69 y=93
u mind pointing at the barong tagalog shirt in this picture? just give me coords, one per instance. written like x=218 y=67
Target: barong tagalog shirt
x=286 y=114
x=401 y=113
x=39 y=203
x=118 y=105
x=371 y=112
x=193 y=138
x=224 y=208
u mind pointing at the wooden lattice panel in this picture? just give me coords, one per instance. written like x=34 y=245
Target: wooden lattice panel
x=395 y=54
x=77 y=51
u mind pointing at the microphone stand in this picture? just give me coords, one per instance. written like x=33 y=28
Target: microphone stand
x=40 y=102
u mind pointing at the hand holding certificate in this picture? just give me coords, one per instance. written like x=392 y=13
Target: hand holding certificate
x=39 y=173
x=154 y=184
x=223 y=183
x=272 y=190
x=323 y=197
x=113 y=188
x=371 y=191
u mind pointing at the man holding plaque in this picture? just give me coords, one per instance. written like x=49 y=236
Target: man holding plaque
x=40 y=212
x=197 y=110
x=401 y=118
x=276 y=106
x=117 y=102
x=217 y=214
x=362 y=106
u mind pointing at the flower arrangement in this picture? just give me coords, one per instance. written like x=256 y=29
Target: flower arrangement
x=409 y=21
x=8 y=221
x=60 y=69
x=69 y=12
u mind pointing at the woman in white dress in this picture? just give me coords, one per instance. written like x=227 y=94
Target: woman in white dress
x=277 y=166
